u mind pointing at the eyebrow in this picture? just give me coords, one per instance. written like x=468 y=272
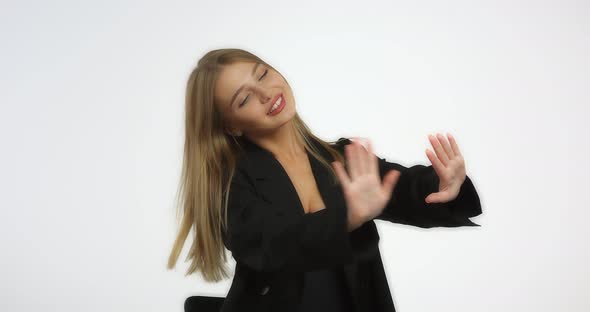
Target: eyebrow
x=233 y=98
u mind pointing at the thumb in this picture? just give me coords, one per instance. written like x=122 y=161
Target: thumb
x=390 y=180
x=341 y=173
x=437 y=197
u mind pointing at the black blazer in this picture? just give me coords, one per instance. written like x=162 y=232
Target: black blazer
x=274 y=241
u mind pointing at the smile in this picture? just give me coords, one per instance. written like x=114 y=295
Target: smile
x=278 y=106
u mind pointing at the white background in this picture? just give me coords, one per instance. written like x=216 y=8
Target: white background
x=91 y=129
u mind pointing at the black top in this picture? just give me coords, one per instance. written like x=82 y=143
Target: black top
x=326 y=291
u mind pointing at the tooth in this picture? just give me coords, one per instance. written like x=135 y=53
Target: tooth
x=276 y=104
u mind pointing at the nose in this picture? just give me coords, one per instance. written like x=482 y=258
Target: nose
x=265 y=95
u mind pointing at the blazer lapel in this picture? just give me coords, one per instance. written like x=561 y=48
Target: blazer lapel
x=275 y=186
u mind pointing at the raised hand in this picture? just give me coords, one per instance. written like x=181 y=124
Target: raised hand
x=365 y=196
x=449 y=165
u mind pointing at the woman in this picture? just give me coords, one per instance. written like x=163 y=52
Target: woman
x=296 y=212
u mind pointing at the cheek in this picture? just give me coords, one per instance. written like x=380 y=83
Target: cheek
x=251 y=111
x=276 y=77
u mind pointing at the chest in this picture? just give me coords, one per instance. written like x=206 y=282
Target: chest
x=302 y=178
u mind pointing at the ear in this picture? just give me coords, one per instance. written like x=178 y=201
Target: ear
x=228 y=130
x=233 y=132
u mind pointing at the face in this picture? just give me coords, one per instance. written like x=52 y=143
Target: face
x=245 y=93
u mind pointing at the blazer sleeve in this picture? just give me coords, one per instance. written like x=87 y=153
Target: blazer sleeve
x=407 y=205
x=265 y=239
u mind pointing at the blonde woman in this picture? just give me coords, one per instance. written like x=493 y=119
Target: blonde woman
x=296 y=212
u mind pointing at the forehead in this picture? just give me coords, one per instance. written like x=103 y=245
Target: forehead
x=230 y=78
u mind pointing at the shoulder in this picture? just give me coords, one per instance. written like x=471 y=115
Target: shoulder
x=343 y=141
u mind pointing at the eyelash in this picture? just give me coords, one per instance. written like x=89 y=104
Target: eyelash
x=246 y=99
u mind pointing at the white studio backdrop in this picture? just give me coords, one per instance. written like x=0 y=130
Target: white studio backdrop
x=91 y=128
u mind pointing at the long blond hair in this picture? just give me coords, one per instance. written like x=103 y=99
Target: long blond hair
x=209 y=161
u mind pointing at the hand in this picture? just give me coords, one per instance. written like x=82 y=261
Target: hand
x=449 y=165
x=365 y=196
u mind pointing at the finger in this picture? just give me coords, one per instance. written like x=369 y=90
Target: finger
x=373 y=162
x=454 y=145
x=363 y=157
x=436 y=163
x=341 y=174
x=354 y=160
x=440 y=152
x=445 y=145
x=350 y=164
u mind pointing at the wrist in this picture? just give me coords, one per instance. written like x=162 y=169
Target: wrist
x=354 y=221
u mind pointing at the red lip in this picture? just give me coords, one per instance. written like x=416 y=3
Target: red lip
x=274 y=100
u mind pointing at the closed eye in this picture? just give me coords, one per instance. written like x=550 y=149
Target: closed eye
x=246 y=99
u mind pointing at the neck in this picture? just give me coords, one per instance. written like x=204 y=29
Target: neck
x=282 y=143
